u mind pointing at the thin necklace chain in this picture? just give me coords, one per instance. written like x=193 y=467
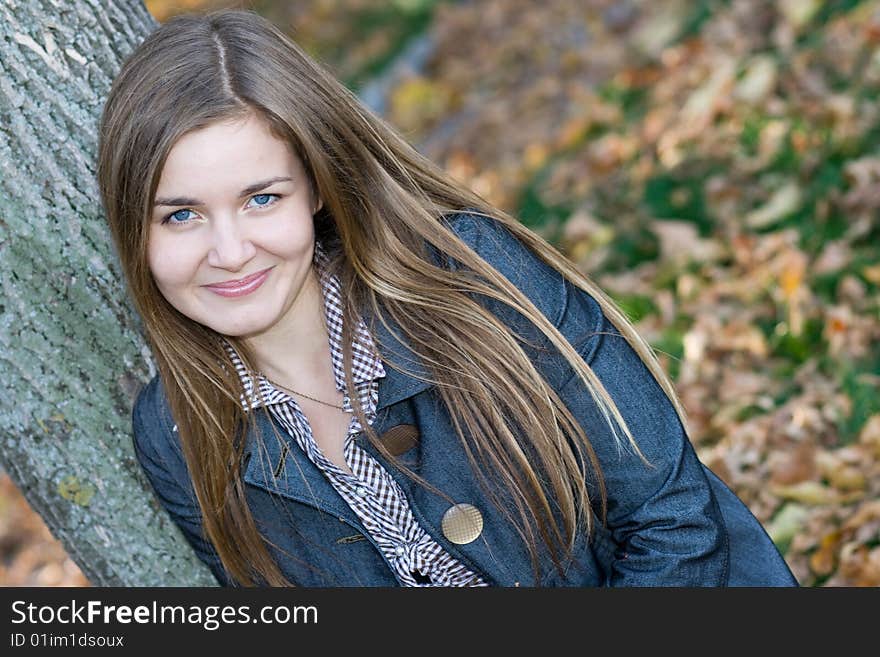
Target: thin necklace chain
x=286 y=389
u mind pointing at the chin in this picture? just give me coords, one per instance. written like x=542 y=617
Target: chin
x=242 y=332
x=235 y=329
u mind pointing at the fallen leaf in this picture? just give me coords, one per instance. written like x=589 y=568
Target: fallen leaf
x=680 y=242
x=848 y=478
x=787 y=522
x=811 y=493
x=870 y=434
x=791 y=466
x=860 y=564
x=653 y=35
x=702 y=105
x=791 y=276
x=824 y=560
x=758 y=80
x=870 y=511
x=799 y=12
x=872 y=273
x=783 y=202
x=834 y=257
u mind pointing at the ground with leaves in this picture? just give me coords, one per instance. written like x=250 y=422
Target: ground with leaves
x=714 y=166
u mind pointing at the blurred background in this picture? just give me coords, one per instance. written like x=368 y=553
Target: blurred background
x=713 y=164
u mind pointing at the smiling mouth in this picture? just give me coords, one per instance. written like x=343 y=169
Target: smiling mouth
x=241 y=286
x=241 y=282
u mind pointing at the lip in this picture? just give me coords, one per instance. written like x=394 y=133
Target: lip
x=240 y=287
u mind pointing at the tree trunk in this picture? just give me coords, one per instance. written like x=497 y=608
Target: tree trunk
x=71 y=350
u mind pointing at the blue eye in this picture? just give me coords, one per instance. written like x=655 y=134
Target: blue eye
x=178 y=217
x=263 y=200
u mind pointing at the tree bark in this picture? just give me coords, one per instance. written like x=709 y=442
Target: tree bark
x=72 y=353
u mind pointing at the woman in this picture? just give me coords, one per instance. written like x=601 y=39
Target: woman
x=369 y=376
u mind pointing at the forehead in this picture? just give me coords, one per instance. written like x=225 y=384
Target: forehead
x=228 y=153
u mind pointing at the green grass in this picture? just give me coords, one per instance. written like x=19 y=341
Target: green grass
x=864 y=395
x=699 y=14
x=531 y=209
x=632 y=247
x=633 y=100
x=671 y=343
x=833 y=8
x=799 y=348
x=679 y=195
x=636 y=306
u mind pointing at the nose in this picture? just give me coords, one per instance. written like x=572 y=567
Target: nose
x=231 y=249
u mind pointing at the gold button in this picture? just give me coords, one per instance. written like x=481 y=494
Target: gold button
x=400 y=438
x=462 y=523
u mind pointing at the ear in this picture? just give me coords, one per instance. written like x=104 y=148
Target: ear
x=319 y=205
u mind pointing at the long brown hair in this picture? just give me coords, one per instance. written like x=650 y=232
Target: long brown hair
x=383 y=203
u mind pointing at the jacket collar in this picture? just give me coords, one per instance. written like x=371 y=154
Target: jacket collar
x=405 y=372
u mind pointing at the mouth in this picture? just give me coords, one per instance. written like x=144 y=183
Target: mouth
x=240 y=287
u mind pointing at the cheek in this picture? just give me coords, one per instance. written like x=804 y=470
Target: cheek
x=291 y=238
x=169 y=263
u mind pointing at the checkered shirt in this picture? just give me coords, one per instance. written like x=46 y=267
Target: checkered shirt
x=372 y=493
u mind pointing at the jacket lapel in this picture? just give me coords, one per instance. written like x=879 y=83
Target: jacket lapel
x=405 y=373
x=277 y=465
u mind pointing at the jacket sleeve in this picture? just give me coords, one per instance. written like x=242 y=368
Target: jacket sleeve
x=159 y=453
x=664 y=518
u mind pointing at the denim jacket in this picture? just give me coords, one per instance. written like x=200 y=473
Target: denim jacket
x=671 y=524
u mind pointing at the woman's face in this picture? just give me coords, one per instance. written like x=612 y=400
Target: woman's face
x=231 y=237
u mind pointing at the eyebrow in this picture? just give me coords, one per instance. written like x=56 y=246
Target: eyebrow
x=247 y=191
